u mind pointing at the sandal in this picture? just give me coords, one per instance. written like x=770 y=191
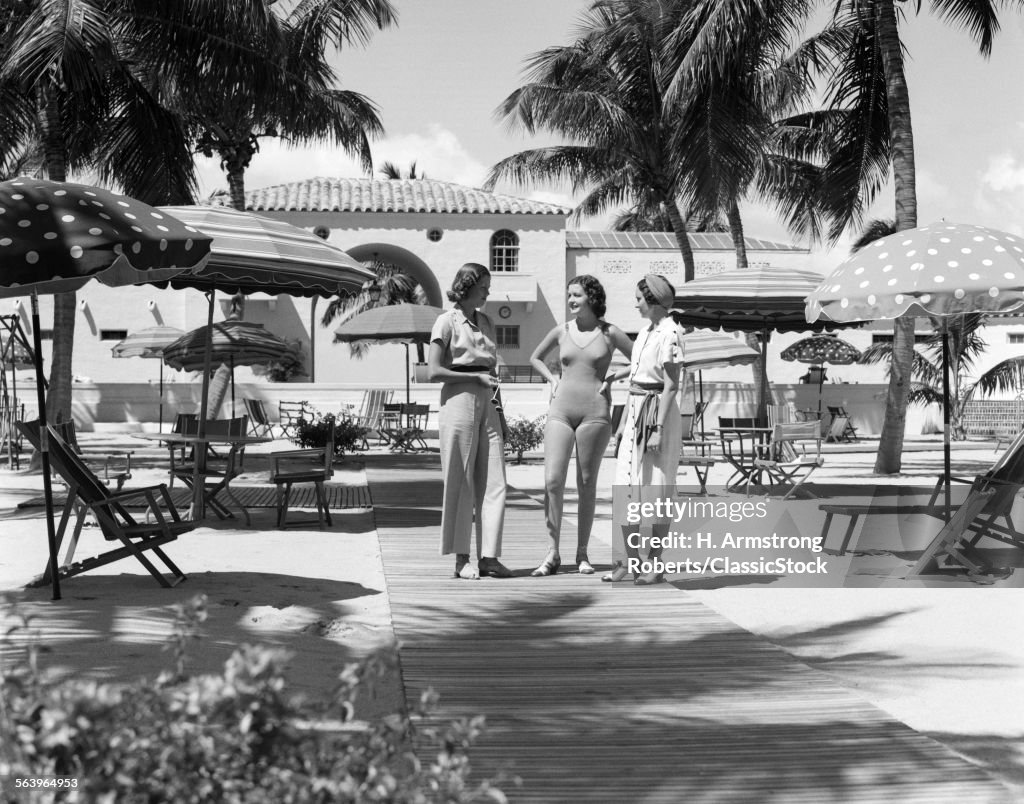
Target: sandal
x=619 y=573
x=550 y=566
x=465 y=570
x=583 y=565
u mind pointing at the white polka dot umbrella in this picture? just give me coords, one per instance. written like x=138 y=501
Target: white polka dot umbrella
x=823 y=348
x=942 y=269
x=56 y=236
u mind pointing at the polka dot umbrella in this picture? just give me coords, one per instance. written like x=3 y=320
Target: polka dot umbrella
x=825 y=348
x=941 y=270
x=56 y=236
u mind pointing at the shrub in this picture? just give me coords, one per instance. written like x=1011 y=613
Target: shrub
x=524 y=435
x=313 y=432
x=232 y=737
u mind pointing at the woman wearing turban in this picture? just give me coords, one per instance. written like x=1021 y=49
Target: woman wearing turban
x=649 y=455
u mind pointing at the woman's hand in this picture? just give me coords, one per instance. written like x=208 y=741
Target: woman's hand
x=487 y=380
x=554 y=387
x=605 y=389
x=654 y=442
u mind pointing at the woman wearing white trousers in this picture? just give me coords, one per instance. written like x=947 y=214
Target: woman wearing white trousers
x=463 y=355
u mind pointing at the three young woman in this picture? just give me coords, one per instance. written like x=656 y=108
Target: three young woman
x=463 y=356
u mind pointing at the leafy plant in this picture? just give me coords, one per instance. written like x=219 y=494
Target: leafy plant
x=524 y=435
x=237 y=736
x=313 y=433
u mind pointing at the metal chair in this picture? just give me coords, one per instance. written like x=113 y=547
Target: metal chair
x=289 y=416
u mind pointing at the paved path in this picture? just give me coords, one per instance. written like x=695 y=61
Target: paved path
x=597 y=693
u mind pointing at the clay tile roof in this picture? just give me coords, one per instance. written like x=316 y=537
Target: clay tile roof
x=383 y=195
x=700 y=241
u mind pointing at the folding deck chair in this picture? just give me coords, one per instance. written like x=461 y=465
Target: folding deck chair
x=841 y=427
x=985 y=512
x=289 y=415
x=88 y=495
x=371 y=413
x=259 y=424
x=786 y=458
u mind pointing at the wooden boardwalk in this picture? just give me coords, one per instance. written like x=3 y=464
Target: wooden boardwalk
x=596 y=693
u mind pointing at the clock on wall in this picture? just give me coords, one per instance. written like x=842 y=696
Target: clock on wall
x=504 y=311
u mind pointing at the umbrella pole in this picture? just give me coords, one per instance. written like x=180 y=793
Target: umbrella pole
x=160 y=415
x=762 y=402
x=945 y=415
x=700 y=385
x=44 y=452
x=198 y=500
x=407 y=374
x=231 y=364
x=821 y=382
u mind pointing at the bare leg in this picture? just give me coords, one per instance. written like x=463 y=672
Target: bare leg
x=559 y=439
x=591 y=443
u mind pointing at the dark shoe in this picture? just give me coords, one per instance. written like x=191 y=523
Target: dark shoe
x=549 y=567
x=619 y=573
x=463 y=569
x=492 y=568
x=649 y=578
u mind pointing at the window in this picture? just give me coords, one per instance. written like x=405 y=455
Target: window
x=887 y=338
x=113 y=334
x=504 y=251
x=507 y=337
x=1015 y=337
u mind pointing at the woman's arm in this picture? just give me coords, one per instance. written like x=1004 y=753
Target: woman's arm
x=668 y=392
x=438 y=373
x=620 y=340
x=537 y=358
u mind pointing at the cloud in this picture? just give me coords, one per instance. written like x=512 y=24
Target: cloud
x=437 y=152
x=999 y=198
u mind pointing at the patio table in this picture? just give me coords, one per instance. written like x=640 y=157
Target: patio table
x=235 y=444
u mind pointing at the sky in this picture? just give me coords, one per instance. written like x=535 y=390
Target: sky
x=439 y=75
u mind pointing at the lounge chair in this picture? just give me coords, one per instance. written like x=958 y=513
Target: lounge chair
x=371 y=413
x=88 y=495
x=259 y=425
x=289 y=416
x=841 y=427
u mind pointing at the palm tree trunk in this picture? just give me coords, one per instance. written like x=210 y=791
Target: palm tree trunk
x=219 y=385
x=890 y=451
x=58 y=399
x=753 y=339
x=682 y=238
x=736 y=230
x=236 y=185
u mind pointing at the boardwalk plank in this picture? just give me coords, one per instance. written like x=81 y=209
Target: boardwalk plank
x=594 y=693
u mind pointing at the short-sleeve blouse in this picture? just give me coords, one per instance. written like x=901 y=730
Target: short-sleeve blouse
x=654 y=347
x=465 y=343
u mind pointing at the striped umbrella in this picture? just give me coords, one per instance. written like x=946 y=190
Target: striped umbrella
x=234 y=343
x=252 y=253
x=751 y=300
x=708 y=350
x=824 y=348
x=149 y=343
x=391 y=323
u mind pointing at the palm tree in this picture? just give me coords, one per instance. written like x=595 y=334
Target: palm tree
x=604 y=94
x=391 y=171
x=391 y=286
x=82 y=85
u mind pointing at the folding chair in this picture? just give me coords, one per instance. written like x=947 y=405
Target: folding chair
x=371 y=412
x=303 y=466
x=699 y=459
x=289 y=416
x=88 y=495
x=407 y=436
x=390 y=422
x=841 y=427
x=259 y=424
x=785 y=458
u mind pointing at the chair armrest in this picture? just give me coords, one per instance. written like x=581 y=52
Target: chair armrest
x=316 y=453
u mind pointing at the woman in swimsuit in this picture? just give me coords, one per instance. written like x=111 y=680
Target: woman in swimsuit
x=579 y=415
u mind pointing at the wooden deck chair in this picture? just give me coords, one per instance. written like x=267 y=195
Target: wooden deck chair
x=370 y=414
x=87 y=495
x=259 y=424
x=314 y=466
x=841 y=427
x=220 y=471
x=412 y=425
x=695 y=452
x=786 y=458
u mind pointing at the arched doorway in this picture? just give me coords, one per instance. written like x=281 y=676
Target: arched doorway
x=404 y=259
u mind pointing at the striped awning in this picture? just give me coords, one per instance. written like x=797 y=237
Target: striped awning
x=707 y=350
x=749 y=299
x=251 y=253
x=148 y=343
x=239 y=343
x=398 y=323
